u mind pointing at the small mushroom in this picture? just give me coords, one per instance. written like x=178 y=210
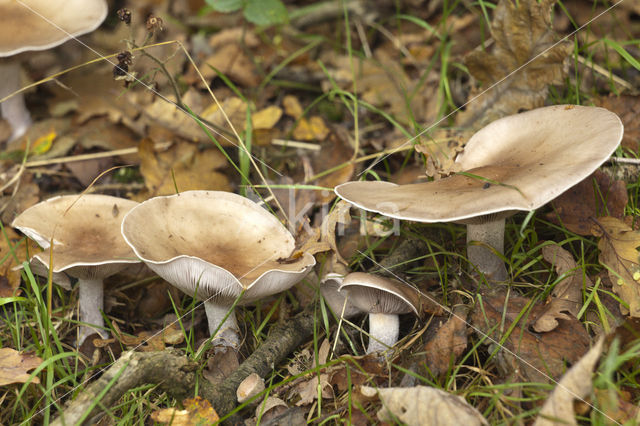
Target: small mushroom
x=37 y=25
x=219 y=247
x=519 y=162
x=87 y=245
x=384 y=299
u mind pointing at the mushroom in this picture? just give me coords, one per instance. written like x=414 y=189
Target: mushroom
x=384 y=299
x=337 y=302
x=219 y=247
x=37 y=25
x=519 y=162
x=87 y=245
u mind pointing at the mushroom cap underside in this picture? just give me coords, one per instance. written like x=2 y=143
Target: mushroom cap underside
x=85 y=230
x=216 y=244
x=376 y=294
x=520 y=162
x=43 y=24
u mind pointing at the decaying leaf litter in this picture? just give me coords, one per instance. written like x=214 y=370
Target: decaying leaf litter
x=335 y=91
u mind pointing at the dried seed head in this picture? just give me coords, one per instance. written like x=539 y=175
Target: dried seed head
x=125 y=57
x=154 y=23
x=124 y=15
x=120 y=70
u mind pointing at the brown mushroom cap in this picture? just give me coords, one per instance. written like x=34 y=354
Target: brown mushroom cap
x=85 y=230
x=43 y=24
x=380 y=295
x=519 y=162
x=217 y=243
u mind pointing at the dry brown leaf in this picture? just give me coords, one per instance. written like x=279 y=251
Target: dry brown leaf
x=198 y=411
x=9 y=273
x=576 y=383
x=442 y=150
x=14 y=366
x=308 y=390
x=27 y=195
x=566 y=297
x=449 y=342
x=292 y=106
x=422 y=405
x=627 y=107
x=596 y=196
x=530 y=356
x=618 y=253
x=522 y=36
x=232 y=61
x=192 y=169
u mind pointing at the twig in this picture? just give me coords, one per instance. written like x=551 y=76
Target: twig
x=176 y=375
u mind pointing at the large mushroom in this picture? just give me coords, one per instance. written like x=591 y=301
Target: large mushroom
x=519 y=162
x=37 y=25
x=384 y=299
x=218 y=246
x=87 y=245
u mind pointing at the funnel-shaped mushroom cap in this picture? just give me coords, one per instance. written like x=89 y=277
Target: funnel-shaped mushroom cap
x=216 y=242
x=43 y=24
x=85 y=230
x=519 y=162
x=380 y=295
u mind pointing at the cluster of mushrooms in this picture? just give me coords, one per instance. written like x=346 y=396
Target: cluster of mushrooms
x=225 y=249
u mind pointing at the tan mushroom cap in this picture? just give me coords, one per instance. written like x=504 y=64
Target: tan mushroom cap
x=43 y=24
x=85 y=231
x=524 y=161
x=380 y=295
x=218 y=242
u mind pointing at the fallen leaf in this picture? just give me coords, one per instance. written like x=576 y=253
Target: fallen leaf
x=422 y=405
x=311 y=129
x=522 y=36
x=319 y=383
x=198 y=411
x=14 y=366
x=292 y=106
x=566 y=297
x=596 y=196
x=627 y=107
x=575 y=384
x=266 y=118
x=9 y=273
x=618 y=253
x=441 y=151
x=192 y=169
x=233 y=62
x=449 y=342
x=530 y=356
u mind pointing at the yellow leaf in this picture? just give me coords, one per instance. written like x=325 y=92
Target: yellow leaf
x=267 y=118
x=14 y=366
x=43 y=143
x=618 y=252
x=312 y=129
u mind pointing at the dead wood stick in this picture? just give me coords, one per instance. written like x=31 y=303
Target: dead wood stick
x=176 y=374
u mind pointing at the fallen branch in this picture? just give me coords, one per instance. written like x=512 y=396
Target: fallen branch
x=134 y=369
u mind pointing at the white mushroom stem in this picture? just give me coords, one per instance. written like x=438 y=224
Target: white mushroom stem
x=489 y=234
x=91 y=304
x=383 y=332
x=228 y=332
x=13 y=109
